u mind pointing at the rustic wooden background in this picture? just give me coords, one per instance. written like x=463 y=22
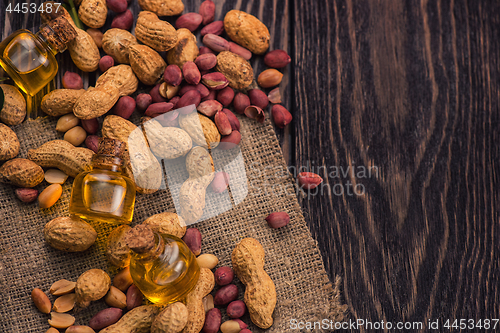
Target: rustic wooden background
x=409 y=89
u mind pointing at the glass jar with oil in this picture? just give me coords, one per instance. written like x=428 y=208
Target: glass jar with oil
x=104 y=194
x=162 y=266
x=29 y=59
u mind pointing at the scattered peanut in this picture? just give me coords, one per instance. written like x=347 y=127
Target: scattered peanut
x=61 y=320
x=49 y=196
x=172 y=319
x=230 y=326
x=123 y=279
x=55 y=176
x=208 y=302
x=78 y=329
x=213 y=320
x=278 y=219
x=116 y=298
x=260 y=293
x=207 y=261
x=64 y=303
x=26 y=195
x=96 y=35
x=105 y=318
x=226 y=294
x=72 y=80
x=136 y=320
x=309 y=180
x=62 y=287
x=41 y=300
x=192 y=238
x=134 y=297
x=69 y=234
x=21 y=172
x=224 y=275
x=91 y=286
x=117 y=251
x=67 y=122
x=236 y=309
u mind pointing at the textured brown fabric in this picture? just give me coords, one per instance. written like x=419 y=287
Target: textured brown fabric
x=292 y=260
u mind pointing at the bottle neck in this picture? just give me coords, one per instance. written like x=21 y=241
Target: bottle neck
x=155 y=252
x=105 y=162
x=49 y=38
x=44 y=41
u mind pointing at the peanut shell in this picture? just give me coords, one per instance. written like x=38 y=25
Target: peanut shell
x=137 y=320
x=186 y=48
x=14 y=107
x=122 y=77
x=247 y=30
x=167 y=142
x=146 y=63
x=62 y=155
x=201 y=129
x=117 y=251
x=92 y=285
x=236 y=69
x=162 y=7
x=96 y=102
x=60 y=101
x=84 y=51
x=21 y=172
x=115 y=42
x=140 y=164
x=155 y=33
x=167 y=223
x=9 y=143
x=69 y=234
x=172 y=319
x=93 y=13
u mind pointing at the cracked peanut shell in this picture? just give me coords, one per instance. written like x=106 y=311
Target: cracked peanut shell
x=236 y=69
x=185 y=50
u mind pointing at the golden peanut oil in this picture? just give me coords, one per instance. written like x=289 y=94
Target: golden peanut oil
x=168 y=273
x=104 y=194
x=29 y=61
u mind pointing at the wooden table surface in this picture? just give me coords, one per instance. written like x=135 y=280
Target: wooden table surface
x=396 y=106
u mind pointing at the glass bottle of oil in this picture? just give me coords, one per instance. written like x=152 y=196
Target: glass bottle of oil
x=29 y=59
x=162 y=266
x=104 y=194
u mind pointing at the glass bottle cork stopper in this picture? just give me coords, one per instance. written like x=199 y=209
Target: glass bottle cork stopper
x=58 y=32
x=111 y=147
x=140 y=239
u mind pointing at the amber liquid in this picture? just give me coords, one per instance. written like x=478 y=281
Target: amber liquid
x=169 y=274
x=29 y=61
x=103 y=195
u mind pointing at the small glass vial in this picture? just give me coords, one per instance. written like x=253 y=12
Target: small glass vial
x=162 y=266
x=29 y=59
x=104 y=194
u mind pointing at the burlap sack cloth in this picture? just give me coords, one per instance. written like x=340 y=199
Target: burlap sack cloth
x=292 y=260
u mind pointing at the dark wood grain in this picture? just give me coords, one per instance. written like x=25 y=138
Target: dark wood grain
x=411 y=88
